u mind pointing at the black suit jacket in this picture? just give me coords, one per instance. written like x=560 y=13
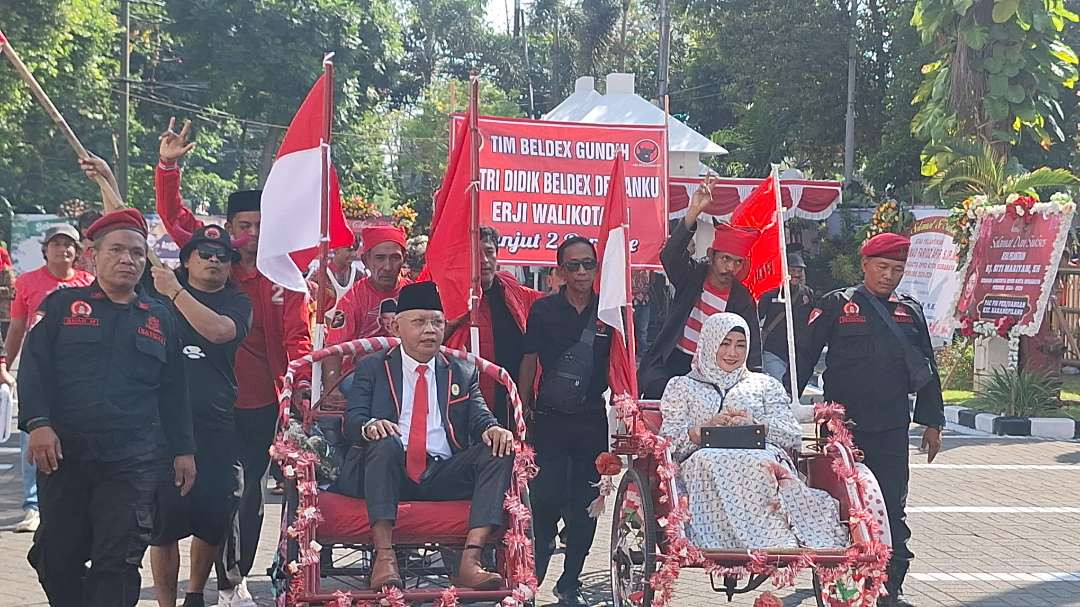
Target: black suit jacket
x=688 y=276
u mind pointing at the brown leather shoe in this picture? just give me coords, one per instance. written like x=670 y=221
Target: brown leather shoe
x=384 y=571
x=471 y=573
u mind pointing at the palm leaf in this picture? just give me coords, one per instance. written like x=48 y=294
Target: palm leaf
x=1042 y=177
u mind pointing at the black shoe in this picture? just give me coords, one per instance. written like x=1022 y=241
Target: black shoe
x=893 y=601
x=570 y=598
x=194 y=599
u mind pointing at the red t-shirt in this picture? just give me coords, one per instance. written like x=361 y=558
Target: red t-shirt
x=357 y=312
x=32 y=288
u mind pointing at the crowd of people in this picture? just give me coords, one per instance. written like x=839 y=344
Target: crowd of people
x=148 y=404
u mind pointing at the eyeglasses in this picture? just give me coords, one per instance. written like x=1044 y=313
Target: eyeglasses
x=210 y=253
x=574 y=266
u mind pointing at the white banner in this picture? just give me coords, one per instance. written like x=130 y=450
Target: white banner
x=930 y=276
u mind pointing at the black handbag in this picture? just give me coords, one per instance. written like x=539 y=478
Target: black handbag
x=564 y=387
x=920 y=368
x=733 y=437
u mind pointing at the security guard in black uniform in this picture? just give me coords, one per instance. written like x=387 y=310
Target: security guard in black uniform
x=103 y=397
x=871 y=372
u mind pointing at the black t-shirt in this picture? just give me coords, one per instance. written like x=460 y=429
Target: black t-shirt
x=771 y=310
x=555 y=325
x=509 y=343
x=209 y=366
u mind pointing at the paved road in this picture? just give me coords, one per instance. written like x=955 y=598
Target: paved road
x=996 y=524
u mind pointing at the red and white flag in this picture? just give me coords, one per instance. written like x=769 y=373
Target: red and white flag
x=759 y=210
x=614 y=279
x=291 y=218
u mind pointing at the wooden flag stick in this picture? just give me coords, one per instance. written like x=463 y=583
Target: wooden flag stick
x=111 y=198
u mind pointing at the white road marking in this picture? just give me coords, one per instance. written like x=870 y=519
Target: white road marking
x=1050 y=576
x=993 y=509
x=10 y=450
x=4 y=467
x=1068 y=467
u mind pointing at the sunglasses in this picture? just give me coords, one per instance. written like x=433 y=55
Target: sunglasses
x=210 y=253
x=574 y=266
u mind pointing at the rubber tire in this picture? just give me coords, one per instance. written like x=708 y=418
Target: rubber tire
x=652 y=530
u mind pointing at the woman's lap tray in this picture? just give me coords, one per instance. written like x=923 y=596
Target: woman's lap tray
x=344 y=519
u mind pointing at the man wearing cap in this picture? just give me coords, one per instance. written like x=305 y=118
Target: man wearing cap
x=61 y=250
x=702 y=288
x=214 y=318
x=879 y=353
x=774 y=343
x=426 y=435
x=103 y=396
x=358 y=311
x=280 y=332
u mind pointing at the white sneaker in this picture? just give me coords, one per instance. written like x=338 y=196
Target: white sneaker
x=31 y=521
x=237 y=597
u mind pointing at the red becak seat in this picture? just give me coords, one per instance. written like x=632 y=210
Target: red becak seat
x=345 y=521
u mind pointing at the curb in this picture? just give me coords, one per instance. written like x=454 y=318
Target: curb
x=1060 y=428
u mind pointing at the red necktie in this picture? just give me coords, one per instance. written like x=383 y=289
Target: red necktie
x=416 y=452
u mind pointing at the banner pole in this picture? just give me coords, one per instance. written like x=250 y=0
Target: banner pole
x=111 y=198
x=793 y=380
x=475 y=288
x=324 y=224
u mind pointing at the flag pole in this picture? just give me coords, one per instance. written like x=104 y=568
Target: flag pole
x=793 y=380
x=474 y=211
x=324 y=223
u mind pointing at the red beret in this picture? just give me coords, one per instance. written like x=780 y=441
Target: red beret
x=124 y=219
x=734 y=240
x=887 y=245
x=377 y=235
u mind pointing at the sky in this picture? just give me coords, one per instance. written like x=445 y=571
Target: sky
x=497 y=12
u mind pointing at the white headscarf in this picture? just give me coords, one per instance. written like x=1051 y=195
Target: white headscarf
x=713 y=331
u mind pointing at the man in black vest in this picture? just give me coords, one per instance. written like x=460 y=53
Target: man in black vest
x=569 y=428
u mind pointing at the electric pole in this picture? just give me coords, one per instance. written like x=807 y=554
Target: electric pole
x=849 y=123
x=125 y=99
x=665 y=49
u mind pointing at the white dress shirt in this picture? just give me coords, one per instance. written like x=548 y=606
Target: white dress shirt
x=437 y=444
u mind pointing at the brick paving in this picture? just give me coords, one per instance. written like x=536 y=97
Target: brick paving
x=949 y=546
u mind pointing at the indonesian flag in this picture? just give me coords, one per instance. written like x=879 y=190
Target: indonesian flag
x=614 y=278
x=291 y=218
x=759 y=211
x=451 y=268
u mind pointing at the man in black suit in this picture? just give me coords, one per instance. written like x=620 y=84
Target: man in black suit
x=458 y=451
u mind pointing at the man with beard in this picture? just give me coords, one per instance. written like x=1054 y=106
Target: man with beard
x=280 y=332
x=213 y=317
x=103 y=396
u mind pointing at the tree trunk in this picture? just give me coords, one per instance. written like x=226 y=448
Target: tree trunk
x=622 y=36
x=269 y=151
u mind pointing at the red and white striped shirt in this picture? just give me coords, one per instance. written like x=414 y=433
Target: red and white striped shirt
x=712 y=300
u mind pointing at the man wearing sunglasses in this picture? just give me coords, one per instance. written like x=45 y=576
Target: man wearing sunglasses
x=280 y=332
x=702 y=288
x=213 y=317
x=569 y=428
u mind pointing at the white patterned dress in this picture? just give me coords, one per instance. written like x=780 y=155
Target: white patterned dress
x=746 y=498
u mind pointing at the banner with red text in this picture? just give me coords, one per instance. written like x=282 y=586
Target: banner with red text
x=542 y=182
x=1014 y=262
x=930 y=275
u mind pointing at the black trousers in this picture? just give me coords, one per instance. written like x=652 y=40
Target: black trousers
x=97 y=511
x=255 y=430
x=566 y=449
x=886 y=454
x=473 y=473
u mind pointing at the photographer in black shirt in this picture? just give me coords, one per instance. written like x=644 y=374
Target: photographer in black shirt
x=213 y=318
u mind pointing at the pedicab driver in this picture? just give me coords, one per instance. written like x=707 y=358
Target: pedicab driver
x=103 y=396
x=879 y=353
x=428 y=436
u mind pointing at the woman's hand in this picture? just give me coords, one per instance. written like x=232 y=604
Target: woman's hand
x=694 y=433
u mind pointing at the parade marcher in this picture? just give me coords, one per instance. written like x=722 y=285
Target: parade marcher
x=61 y=249
x=86 y=219
x=457 y=451
x=358 y=311
x=504 y=309
x=213 y=318
x=341 y=274
x=387 y=312
x=774 y=343
x=702 y=288
x=103 y=395
x=280 y=332
x=7 y=294
x=879 y=353
x=569 y=428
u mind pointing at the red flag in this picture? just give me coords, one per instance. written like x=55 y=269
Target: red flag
x=451 y=265
x=291 y=218
x=614 y=279
x=759 y=211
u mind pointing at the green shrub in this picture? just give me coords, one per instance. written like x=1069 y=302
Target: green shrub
x=956 y=365
x=1017 y=392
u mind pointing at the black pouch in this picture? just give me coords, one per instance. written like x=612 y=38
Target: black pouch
x=564 y=387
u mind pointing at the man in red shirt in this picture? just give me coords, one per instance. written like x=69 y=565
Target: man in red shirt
x=358 y=311
x=280 y=332
x=60 y=248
